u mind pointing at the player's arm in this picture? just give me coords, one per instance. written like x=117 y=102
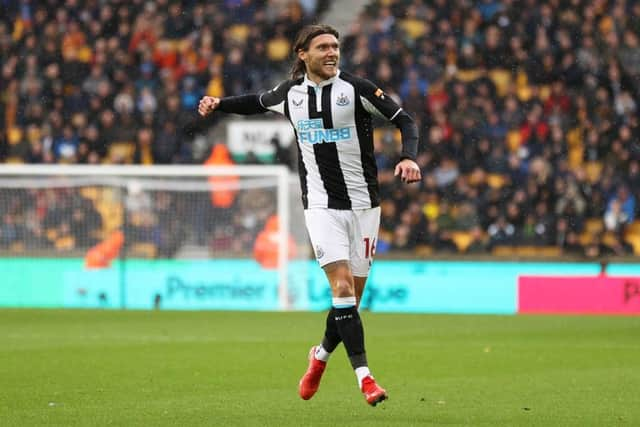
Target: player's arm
x=272 y=100
x=243 y=104
x=377 y=103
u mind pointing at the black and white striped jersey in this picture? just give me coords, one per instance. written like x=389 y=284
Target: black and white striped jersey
x=333 y=126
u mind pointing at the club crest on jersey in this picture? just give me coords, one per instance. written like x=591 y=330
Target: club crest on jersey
x=297 y=104
x=342 y=100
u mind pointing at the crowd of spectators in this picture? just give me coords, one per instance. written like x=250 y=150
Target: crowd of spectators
x=527 y=110
x=95 y=82
x=528 y=113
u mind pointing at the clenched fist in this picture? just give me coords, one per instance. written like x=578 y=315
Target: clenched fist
x=207 y=105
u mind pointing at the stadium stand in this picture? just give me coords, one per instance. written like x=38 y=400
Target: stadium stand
x=530 y=137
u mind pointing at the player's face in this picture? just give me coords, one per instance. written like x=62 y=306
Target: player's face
x=322 y=57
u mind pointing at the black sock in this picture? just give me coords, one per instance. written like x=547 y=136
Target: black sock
x=331 y=335
x=350 y=328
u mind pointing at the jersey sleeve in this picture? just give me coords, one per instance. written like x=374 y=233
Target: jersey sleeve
x=376 y=102
x=276 y=98
x=243 y=104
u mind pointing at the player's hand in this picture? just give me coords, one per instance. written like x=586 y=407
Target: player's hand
x=207 y=105
x=408 y=171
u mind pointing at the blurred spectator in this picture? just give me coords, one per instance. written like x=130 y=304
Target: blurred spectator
x=501 y=232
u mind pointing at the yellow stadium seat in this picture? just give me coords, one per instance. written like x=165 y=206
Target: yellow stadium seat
x=278 y=49
x=522 y=79
x=424 y=251
x=527 y=251
x=502 y=79
x=14 y=135
x=90 y=193
x=593 y=225
x=586 y=238
x=17 y=247
x=52 y=234
x=467 y=75
x=514 y=140
x=495 y=180
x=414 y=28
x=110 y=209
x=609 y=238
x=143 y=250
x=239 y=32
x=85 y=54
x=121 y=152
x=634 y=240
x=549 y=251
x=14 y=160
x=574 y=137
x=633 y=228
x=65 y=243
x=524 y=93
x=431 y=210
x=593 y=170
x=462 y=239
x=575 y=157
x=506 y=251
x=544 y=91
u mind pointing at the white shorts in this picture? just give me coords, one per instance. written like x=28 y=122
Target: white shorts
x=344 y=235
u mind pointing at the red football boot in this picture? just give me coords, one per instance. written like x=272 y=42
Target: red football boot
x=373 y=393
x=311 y=379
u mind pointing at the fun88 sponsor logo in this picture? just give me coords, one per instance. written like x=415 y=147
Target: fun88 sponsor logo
x=313 y=132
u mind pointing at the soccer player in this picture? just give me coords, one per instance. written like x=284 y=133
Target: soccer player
x=331 y=112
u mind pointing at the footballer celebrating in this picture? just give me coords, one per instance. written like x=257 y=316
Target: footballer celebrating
x=332 y=113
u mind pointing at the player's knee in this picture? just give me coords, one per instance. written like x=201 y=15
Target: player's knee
x=343 y=288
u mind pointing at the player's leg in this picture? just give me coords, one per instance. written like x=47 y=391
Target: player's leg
x=331 y=337
x=330 y=243
x=346 y=316
x=365 y=224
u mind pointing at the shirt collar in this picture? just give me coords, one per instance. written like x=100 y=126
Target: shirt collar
x=322 y=83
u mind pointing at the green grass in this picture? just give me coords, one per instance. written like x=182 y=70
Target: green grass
x=84 y=368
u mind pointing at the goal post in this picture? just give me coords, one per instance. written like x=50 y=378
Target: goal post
x=181 y=206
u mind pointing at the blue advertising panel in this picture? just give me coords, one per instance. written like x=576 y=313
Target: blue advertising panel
x=176 y=285
x=26 y=282
x=438 y=286
x=393 y=286
x=623 y=269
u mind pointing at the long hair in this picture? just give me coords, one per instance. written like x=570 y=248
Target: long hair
x=303 y=40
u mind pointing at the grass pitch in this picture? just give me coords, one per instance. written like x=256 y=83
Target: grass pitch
x=85 y=368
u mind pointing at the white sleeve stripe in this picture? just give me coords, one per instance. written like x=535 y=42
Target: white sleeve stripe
x=278 y=108
x=394 y=116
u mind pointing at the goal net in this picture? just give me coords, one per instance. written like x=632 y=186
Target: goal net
x=180 y=237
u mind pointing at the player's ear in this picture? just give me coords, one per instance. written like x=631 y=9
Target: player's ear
x=302 y=55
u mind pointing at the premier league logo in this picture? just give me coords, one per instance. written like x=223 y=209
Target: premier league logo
x=319 y=252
